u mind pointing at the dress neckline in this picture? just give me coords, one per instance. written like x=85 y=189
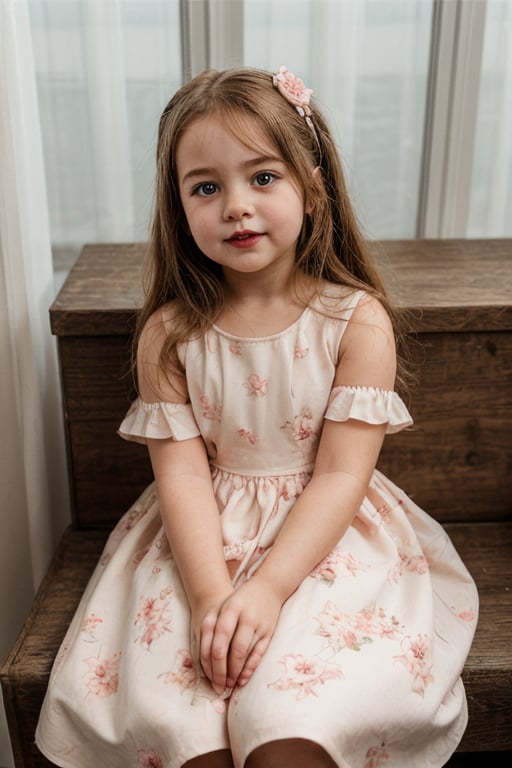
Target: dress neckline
x=269 y=337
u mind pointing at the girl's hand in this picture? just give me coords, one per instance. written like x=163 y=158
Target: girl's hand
x=234 y=641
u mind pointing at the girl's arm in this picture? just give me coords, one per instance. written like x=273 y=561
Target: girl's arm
x=189 y=511
x=346 y=458
x=190 y=518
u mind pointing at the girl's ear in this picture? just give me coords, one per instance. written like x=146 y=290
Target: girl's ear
x=311 y=199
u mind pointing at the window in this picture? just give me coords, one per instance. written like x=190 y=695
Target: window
x=425 y=150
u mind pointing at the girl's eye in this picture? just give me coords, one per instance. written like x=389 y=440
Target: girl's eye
x=206 y=190
x=264 y=179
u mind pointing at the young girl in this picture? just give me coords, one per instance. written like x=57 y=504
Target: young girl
x=272 y=599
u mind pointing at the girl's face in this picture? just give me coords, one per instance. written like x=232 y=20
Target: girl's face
x=243 y=207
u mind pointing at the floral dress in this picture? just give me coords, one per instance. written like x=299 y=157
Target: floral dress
x=367 y=654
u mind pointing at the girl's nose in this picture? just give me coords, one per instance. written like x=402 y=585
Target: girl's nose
x=237 y=205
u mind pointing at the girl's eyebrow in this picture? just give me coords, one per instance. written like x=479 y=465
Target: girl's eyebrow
x=205 y=172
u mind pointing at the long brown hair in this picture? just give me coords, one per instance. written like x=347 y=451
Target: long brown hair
x=330 y=247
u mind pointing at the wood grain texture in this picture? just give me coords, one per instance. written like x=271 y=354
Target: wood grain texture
x=96 y=378
x=450 y=284
x=456 y=461
x=108 y=473
x=447 y=284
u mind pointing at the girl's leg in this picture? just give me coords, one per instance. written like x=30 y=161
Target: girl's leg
x=219 y=759
x=287 y=753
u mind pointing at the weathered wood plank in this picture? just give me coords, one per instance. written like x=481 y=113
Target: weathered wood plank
x=108 y=473
x=448 y=284
x=456 y=462
x=96 y=376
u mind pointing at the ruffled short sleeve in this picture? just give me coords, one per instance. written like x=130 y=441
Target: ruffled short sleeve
x=158 y=420
x=368 y=404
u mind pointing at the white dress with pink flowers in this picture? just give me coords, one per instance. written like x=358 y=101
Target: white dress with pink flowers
x=367 y=655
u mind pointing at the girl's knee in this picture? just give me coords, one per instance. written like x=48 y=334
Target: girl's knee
x=289 y=752
x=219 y=759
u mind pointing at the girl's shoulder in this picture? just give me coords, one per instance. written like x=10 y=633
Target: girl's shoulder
x=362 y=312
x=157 y=326
x=154 y=377
x=344 y=302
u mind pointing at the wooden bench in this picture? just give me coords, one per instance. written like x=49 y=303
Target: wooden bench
x=456 y=463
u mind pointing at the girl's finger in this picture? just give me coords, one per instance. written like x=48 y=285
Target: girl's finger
x=253 y=660
x=240 y=649
x=205 y=643
x=220 y=647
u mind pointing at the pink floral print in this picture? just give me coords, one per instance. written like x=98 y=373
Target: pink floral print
x=153 y=618
x=211 y=411
x=339 y=629
x=375 y=756
x=235 y=348
x=140 y=555
x=416 y=659
x=326 y=570
x=348 y=630
x=148 y=758
x=184 y=676
x=301 y=426
x=301 y=352
x=255 y=386
x=293 y=486
x=335 y=562
x=102 y=676
x=468 y=614
x=303 y=675
x=90 y=624
x=133 y=517
x=247 y=434
x=183 y=673
x=412 y=563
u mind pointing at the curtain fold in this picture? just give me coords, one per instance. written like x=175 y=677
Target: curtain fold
x=108 y=119
x=29 y=370
x=34 y=503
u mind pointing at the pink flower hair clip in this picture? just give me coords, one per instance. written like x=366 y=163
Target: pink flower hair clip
x=293 y=89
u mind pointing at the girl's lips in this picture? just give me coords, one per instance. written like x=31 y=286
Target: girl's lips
x=244 y=239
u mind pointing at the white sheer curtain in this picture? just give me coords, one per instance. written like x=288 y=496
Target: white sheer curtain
x=491 y=196
x=108 y=120
x=33 y=508
x=104 y=70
